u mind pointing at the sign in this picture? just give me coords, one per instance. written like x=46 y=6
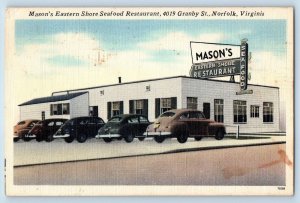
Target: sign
x=244 y=65
x=216 y=69
x=206 y=52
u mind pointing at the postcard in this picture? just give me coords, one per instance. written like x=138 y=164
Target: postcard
x=149 y=101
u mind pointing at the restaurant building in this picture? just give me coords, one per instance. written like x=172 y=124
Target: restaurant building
x=219 y=101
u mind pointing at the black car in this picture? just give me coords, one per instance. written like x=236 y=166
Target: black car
x=80 y=128
x=127 y=126
x=44 y=130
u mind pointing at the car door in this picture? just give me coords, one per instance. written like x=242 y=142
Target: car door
x=143 y=124
x=92 y=126
x=133 y=124
x=201 y=123
x=58 y=124
x=185 y=118
x=49 y=128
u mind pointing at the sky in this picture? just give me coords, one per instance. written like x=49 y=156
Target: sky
x=54 y=55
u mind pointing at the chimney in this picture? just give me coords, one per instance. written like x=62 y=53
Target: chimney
x=120 y=80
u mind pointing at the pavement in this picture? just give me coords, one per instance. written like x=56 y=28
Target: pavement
x=33 y=153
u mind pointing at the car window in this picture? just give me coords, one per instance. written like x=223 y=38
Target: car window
x=21 y=123
x=51 y=123
x=194 y=115
x=133 y=120
x=184 y=116
x=59 y=123
x=83 y=122
x=201 y=115
x=143 y=119
x=167 y=114
x=92 y=121
x=115 y=119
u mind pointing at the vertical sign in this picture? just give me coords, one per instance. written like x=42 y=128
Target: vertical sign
x=244 y=65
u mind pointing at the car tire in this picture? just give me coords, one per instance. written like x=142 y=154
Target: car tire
x=69 y=139
x=81 y=138
x=129 y=137
x=38 y=139
x=182 y=137
x=107 y=140
x=16 y=139
x=49 y=138
x=26 y=139
x=198 y=138
x=159 y=139
x=141 y=138
x=219 y=135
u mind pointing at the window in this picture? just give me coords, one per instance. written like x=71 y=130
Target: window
x=66 y=109
x=115 y=108
x=219 y=110
x=148 y=88
x=239 y=111
x=138 y=106
x=165 y=104
x=254 y=111
x=101 y=92
x=50 y=123
x=93 y=111
x=191 y=102
x=267 y=112
x=60 y=109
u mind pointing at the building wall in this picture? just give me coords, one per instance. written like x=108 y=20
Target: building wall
x=134 y=91
x=79 y=106
x=207 y=91
x=34 y=111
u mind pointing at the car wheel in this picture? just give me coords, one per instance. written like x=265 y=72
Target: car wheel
x=107 y=140
x=49 y=138
x=26 y=139
x=81 y=137
x=16 y=139
x=198 y=138
x=38 y=139
x=159 y=139
x=182 y=137
x=69 y=139
x=141 y=138
x=219 y=135
x=129 y=138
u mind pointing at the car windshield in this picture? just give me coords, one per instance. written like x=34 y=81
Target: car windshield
x=167 y=114
x=115 y=119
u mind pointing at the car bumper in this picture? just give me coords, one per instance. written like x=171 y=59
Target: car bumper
x=152 y=134
x=61 y=136
x=108 y=136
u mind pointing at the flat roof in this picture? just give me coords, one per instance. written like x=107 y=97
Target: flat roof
x=156 y=79
x=52 y=98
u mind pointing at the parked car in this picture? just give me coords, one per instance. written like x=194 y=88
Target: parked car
x=22 y=128
x=80 y=128
x=127 y=126
x=184 y=123
x=44 y=130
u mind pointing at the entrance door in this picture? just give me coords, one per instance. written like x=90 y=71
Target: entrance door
x=206 y=110
x=94 y=111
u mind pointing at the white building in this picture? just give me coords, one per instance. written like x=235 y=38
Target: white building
x=257 y=112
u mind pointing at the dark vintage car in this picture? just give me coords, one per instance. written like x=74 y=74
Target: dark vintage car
x=22 y=128
x=184 y=123
x=44 y=130
x=79 y=128
x=127 y=126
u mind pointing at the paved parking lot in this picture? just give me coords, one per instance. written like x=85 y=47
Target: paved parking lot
x=31 y=153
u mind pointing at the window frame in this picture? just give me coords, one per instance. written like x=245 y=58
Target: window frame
x=243 y=107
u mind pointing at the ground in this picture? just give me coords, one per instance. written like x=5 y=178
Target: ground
x=255 y=161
